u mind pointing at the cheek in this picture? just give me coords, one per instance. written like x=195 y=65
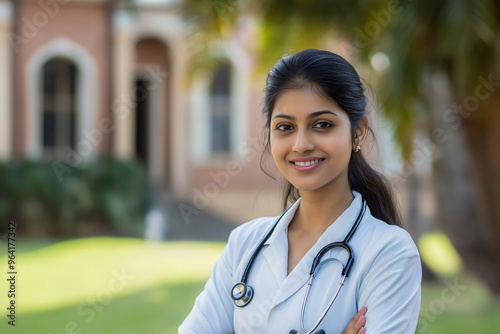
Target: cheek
x=279 y=150
x=276 y=148
x=339 y=145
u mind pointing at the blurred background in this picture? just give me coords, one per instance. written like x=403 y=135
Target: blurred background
x=131 y=140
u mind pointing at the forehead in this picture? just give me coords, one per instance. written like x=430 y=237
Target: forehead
x=303 y=101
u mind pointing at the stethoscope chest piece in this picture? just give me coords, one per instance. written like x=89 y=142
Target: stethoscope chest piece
x=321 y=331
x=242 y=294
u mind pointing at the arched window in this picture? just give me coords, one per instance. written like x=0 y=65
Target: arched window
x=221 y=98
x=58 y=107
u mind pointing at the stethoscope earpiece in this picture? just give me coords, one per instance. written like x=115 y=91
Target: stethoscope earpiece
x=242 y=294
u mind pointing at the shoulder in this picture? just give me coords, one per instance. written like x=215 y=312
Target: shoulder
x=384 y=250
x=253 y=231
x=378 y=237
x=243 y=241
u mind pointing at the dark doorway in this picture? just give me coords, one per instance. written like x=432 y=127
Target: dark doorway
x=142 y=120
x=152 y=67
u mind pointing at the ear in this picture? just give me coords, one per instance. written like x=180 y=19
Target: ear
x=361 y=131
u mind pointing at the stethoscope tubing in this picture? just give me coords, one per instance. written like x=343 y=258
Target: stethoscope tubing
x=257 y=250
x=242 y=299
x=323 y=315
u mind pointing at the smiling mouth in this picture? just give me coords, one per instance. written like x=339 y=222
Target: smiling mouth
x=306 y=163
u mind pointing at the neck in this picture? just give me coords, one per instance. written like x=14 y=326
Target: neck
x=318 y=209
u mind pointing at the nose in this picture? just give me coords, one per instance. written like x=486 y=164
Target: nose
x=303 y=142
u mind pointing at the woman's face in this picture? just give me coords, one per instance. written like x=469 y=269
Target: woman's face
x=310 y=139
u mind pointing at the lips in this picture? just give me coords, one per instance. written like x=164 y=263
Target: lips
x=308 y=159
x=306 y=164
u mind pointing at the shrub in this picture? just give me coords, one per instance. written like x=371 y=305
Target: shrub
x=95 y=198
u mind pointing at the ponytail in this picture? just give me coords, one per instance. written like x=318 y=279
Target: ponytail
x=375 y=189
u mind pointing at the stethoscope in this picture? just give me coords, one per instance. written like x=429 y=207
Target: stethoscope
x=242 y=293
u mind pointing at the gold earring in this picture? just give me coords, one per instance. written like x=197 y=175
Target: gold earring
x=357 y=148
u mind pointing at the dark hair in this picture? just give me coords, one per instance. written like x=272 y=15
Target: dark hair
x=334 y=78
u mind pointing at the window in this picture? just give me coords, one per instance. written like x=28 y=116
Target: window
x=220 y=106
x=58 y=107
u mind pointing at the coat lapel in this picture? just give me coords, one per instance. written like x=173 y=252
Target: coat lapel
x=276 y=247
x=276 y=251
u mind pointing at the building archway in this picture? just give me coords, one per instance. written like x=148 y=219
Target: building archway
x=86 y=95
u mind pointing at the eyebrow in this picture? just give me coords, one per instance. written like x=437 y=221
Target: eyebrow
x=311 y=115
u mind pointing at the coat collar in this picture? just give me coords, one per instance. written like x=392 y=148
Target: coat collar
x=276 y=250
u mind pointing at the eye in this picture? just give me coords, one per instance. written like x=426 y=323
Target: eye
x=283 y=127
x=323 y=125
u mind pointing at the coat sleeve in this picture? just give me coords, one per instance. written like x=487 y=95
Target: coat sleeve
x=213 y=309
x=391 y=292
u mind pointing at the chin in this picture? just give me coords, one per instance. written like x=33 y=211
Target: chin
x=306 y=187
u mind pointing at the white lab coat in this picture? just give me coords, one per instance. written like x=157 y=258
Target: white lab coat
x=385 y=278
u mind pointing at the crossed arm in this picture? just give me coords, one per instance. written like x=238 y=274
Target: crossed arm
x=356 y=325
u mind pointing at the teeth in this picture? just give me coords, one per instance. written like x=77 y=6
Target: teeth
x=307 y=163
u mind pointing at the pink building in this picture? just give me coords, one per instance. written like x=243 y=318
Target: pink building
x=84 y=79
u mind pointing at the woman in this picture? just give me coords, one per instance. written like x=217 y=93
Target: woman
x=315 y=106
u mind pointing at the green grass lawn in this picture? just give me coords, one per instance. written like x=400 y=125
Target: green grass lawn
x=458 y=304
x=158 y=309
x=107 y=285
x=127 y=286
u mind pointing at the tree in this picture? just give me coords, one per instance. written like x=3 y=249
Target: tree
x=443 y=78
